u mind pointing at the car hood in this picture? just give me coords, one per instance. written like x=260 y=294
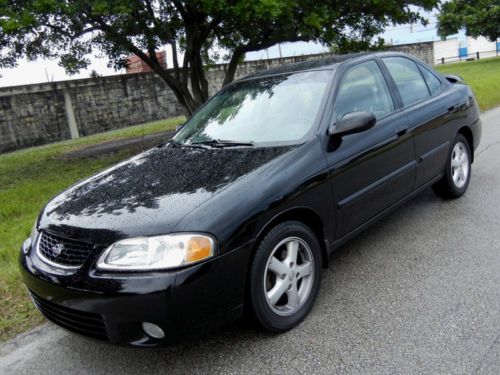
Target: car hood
x=150 y=193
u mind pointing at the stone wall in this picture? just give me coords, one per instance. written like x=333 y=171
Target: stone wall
x=37 y=114
x=43 y=113
x=423 y=51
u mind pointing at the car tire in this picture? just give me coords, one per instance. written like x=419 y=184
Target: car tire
x=457 y=171
x=285 y=276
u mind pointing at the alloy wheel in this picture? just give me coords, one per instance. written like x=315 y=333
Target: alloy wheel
x=459 y=165
x=289 y=276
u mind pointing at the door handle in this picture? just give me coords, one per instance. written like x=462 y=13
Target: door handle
x=400 y=132
x=452 y=109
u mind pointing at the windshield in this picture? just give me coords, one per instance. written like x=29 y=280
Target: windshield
x=268 y=111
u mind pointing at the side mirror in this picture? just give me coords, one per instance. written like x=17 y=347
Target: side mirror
x=453 y=78
x=179 y=127
x=353 y=122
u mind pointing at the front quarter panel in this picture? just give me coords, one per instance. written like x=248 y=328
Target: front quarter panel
x=237 y=216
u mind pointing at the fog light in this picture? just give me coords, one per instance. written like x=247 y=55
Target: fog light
x=27 y=245
x=153 y=330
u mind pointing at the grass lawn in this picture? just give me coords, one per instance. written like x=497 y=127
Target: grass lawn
x=482 y=75
x=28 y=179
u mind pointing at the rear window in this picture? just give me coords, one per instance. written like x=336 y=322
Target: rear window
x=433 y=83
x=410 y=83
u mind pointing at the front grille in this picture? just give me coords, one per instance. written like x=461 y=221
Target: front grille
x=84 y=323
x=63 y=251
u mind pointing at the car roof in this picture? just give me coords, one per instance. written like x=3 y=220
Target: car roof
x=330 y=62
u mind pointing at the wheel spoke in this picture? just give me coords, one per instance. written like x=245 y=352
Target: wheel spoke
x=293 y=296
x=277 y=266
x=292 y=248
x=277 y=291
x=303 y=270
x=462 y=173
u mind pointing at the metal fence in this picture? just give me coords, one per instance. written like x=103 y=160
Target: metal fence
x=468 y=57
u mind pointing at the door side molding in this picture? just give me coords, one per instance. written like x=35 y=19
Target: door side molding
x=376 y=184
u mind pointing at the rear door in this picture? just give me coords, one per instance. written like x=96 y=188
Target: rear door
x=428 y=111
x=371 y=170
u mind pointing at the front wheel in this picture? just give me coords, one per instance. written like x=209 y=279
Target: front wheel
x=458 y=171
x=285 y=276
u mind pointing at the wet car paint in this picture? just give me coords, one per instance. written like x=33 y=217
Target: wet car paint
x=157 y=189
x=337 y=185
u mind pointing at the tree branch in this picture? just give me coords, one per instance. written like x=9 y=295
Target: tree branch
x=233 y=64
x=240 y=51
x=181 y=10
x=175 y=59
x=181 y=92
x=59 y=29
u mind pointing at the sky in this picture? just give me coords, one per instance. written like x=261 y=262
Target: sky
x=39 y=71
x=46 y=70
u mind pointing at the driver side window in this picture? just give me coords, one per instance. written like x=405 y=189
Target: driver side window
x=363 y=88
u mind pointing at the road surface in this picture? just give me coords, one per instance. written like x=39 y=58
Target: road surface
x=419 y=292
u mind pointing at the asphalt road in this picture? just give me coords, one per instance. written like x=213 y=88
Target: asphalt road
x=419 y=292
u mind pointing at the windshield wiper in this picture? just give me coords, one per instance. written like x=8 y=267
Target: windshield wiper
x=223 y=143
x=178 y=144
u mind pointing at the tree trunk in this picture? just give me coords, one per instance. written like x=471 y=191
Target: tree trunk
x=231 y=67
x=180 y=90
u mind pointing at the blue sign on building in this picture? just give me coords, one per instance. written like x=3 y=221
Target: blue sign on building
x=462 y=52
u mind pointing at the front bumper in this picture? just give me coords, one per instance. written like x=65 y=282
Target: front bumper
x=112 y=306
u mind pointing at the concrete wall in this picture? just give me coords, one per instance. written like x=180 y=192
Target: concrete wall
x=31 y=117
x=449 y=49
x=42 y=113
x=445 y=49
x=483 y=45
x=423 y=51
x=37 y=114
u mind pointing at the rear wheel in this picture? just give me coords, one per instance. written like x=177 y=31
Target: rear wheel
x=285 y=276
x=458 y=170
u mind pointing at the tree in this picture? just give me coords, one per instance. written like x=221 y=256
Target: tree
x=478 y=17
x=357 y=45
x=71 y=30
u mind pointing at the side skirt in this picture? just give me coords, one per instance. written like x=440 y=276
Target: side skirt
x=337 y=243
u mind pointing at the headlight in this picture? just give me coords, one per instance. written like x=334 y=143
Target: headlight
x=152 y=253
x=28 y=242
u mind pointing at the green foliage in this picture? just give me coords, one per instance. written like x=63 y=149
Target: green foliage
x=355 y=45
x=71 y=30
x=478 y=17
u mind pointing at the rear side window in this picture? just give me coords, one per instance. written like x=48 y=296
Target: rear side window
x=363 y=88
x=433 y=83
x=410 y=83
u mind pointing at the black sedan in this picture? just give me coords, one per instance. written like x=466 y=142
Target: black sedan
x=241 y=209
